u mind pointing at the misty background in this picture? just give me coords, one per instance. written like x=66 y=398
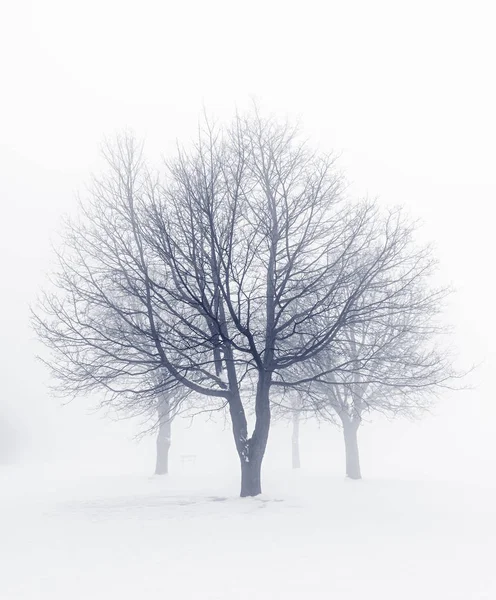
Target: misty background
x=406 y=97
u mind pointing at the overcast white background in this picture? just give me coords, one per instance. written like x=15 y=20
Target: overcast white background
x=405 y=91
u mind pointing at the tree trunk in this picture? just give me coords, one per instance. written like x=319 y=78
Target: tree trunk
x=251 y=451
x=251 y=483
x=350 y=431
x=163 y=438
x=251 y=454
x=295 y=441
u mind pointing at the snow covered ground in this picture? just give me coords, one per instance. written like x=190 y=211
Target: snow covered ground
x=75 y=536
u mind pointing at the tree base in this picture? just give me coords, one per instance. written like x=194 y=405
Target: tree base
x=353 y=470
x=250 y=479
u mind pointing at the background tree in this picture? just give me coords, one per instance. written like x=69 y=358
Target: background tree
x=392 y=362
x=295 y=437
x=290 y=408
x=170 y=402
x=93 y=320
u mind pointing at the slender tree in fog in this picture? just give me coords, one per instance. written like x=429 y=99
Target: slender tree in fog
x=170 y=400
x=94 y=320
x=295 y=437
x=292 y=408
x=165 y=417
x=388 y=361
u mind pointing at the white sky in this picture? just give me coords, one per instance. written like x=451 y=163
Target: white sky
x=406 y=91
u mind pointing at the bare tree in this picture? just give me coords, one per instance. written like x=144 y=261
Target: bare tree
x=295 y=437
x=250 y=224
x=170 y=402
x=240 y=267
x=94 y=321
x=164 y=436
x=389 y=361
x=290 y=408
x=270 y=266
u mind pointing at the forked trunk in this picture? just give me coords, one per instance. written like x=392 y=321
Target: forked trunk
x=295 y=441
x=251 y=451
x=251 y=454
x=350 y=431
x=163 y=438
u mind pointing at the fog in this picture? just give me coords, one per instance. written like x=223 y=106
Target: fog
x=405 y=94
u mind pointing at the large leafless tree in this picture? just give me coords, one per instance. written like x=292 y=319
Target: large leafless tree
x=228 y=275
